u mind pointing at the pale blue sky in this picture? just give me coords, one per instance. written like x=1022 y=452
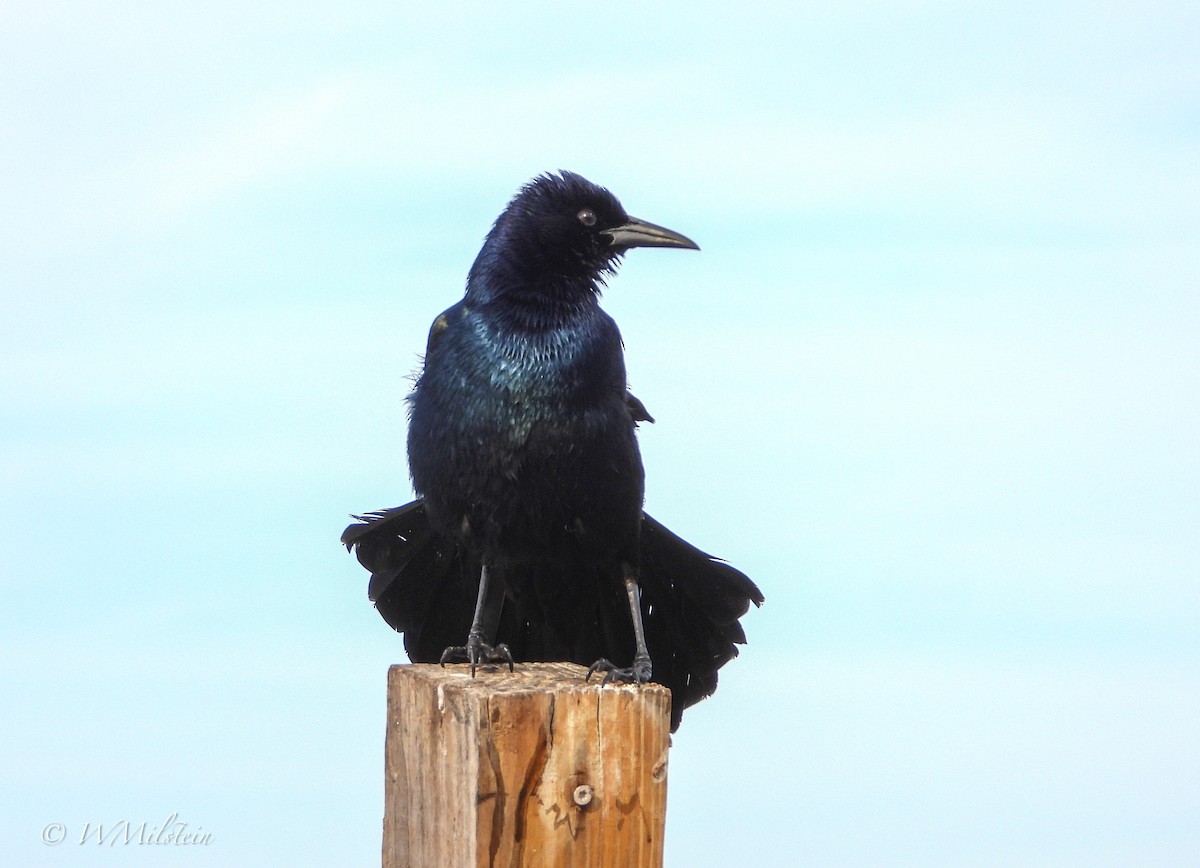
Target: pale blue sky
x=933 y=382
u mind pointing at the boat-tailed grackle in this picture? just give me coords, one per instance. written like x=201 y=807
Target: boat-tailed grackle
x=529 y=540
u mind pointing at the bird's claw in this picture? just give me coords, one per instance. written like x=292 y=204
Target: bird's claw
x=477 y=654
x=638 y=673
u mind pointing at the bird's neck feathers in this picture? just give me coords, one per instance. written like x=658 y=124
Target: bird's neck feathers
x=531 y=293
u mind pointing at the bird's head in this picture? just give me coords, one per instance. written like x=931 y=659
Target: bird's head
x=562 y=229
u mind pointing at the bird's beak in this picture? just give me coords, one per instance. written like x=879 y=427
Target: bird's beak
x=639 y=233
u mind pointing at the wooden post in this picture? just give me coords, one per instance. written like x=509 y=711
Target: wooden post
x=532 y=768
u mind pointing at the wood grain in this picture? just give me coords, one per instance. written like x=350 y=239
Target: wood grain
x=532 y=768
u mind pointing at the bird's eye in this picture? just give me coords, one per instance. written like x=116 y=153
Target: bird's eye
x=587 y=217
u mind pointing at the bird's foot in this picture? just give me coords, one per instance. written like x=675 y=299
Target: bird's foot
x=638 y=673
x=477 y=653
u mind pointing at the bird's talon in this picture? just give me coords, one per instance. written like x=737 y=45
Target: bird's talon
x=601 y=665
x=454 y=654
x=638 y=673
x=477 y=654
x=500 y=654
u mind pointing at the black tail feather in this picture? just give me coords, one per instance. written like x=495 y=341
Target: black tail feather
x=424 y=585
x=421 y=583
x=694 y=603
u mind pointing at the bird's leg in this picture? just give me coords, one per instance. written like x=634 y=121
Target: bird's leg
x=483 y=630
x=641 y=669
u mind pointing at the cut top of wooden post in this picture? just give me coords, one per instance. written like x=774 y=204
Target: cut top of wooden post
x=535 y=767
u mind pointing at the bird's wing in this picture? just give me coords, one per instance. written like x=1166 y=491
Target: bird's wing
x=440 y=324
x=637 y=409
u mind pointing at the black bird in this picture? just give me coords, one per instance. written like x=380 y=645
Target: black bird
x=523 y=452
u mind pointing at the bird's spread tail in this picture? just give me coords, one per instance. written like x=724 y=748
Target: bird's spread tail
x=424 y=585
x=692 y=603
